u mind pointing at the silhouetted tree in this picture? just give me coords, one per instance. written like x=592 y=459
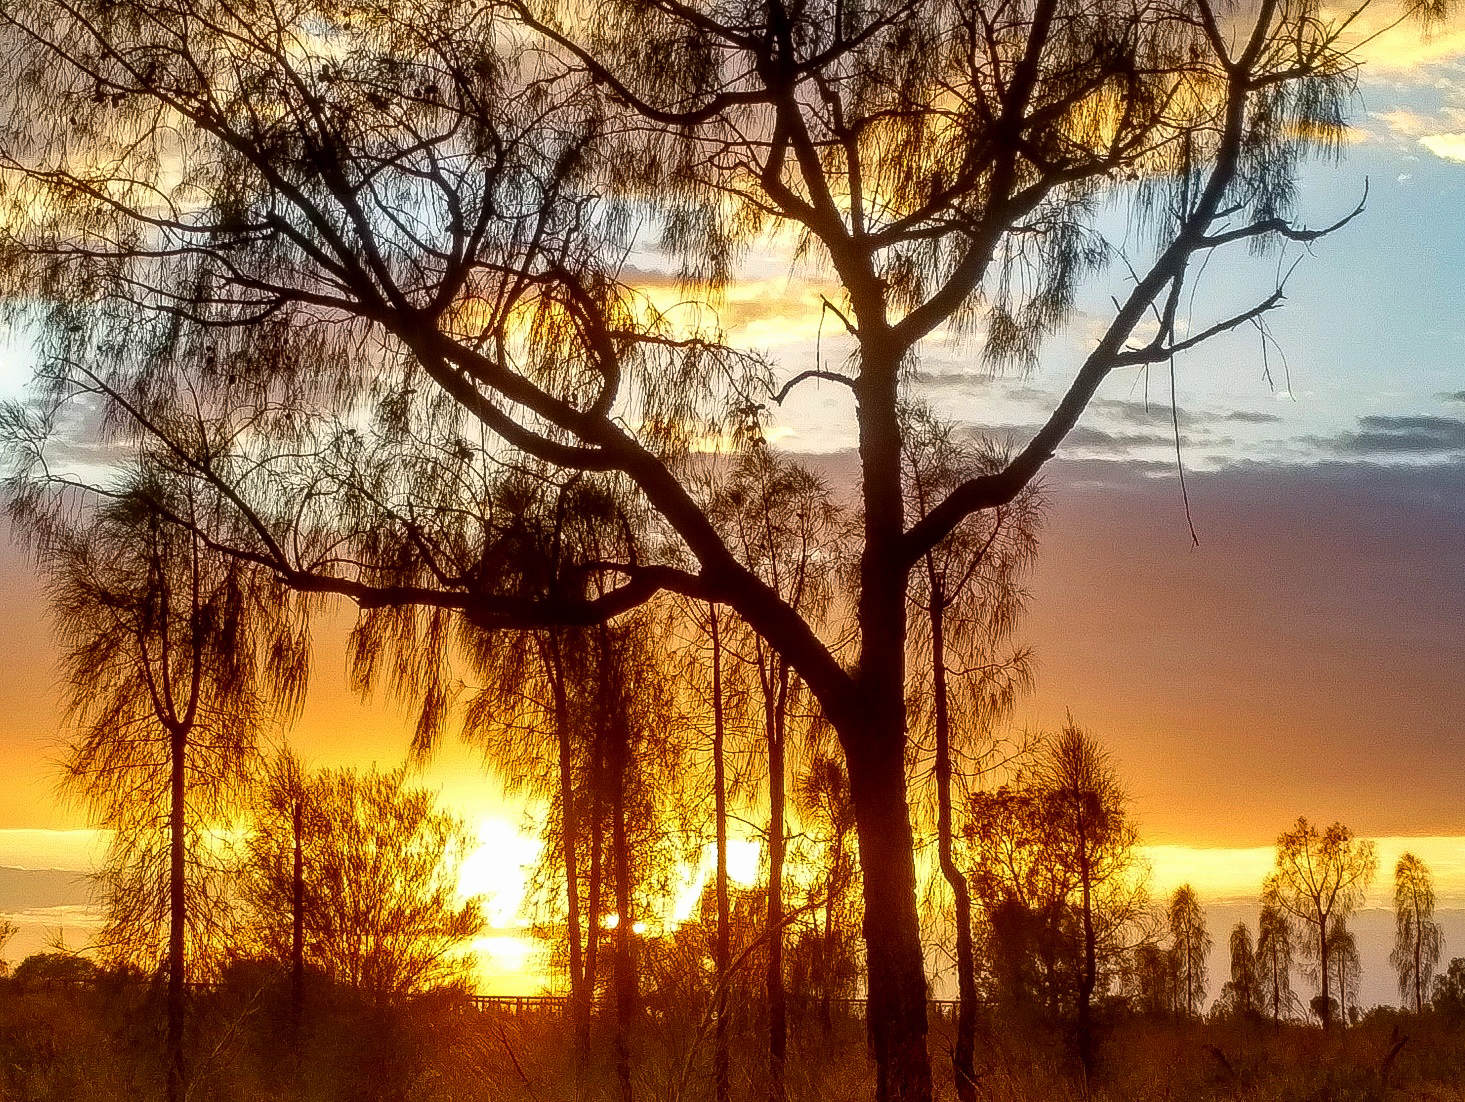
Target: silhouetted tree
x=176 y=659
x=1274 y=954
x=1418 y=938
x=1448 y=995
x=1060 y=880
x=1191 y=945
x=1151 y=979
x=379 y=865
x=1241 y=993
x=380 y=252
x=1320 y=880
x=1096 y=839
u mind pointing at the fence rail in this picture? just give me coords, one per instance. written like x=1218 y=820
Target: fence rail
x=525 y=1005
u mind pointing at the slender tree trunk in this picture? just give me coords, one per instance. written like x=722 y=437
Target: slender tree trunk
x=594 y=888
x=963 y=1056
x=625 y=971
x=176 y=918
x=569 y=855
x=623 y=976
x=723 y=949
x=1418 y=958
x=775 y=716
x=1088 y=977
x=297 y=929
x=1322 y=956
x=826 y=949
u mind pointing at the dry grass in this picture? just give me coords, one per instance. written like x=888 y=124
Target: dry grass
x=102 y=1043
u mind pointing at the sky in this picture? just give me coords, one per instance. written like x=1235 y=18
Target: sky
x=1302 y=655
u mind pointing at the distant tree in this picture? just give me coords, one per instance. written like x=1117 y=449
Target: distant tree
x=1191 y=945
x=1274 y=954
x=54 y=971
x=8 y=930
x=1320 y=879
x=1151 y=980
x=1448 y=996
x=175 y=659
x=1095 y=839
x=1418 y=938
x=1242 y=992
x=381 y=911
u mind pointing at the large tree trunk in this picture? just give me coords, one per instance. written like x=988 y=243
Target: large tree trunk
x=872 y=727
x=723 y=949
x=176 y=917
x=896 y=994
x=963 y=1056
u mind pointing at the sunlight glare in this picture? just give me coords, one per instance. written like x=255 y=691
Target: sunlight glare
x=498 y=870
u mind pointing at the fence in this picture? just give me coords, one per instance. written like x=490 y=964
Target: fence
x=524 y=1005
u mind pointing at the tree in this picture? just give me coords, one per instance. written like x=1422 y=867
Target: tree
x=1062 y=886
x=381 y=912
x=1096 y=839
x=376 y=252
x=1274 y=960
x=1191 y=944
x=1151 y=979
x=176 y=659
x=1241 y=994
x=1448 y=996
x=1418 y=938
x=1320 y=879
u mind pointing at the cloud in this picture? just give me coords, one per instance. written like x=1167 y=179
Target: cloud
x=1457 y=396
x=1380 y=437
x=1139 y=413
x=1252 y=417
x=1088 y=438
x=1451 y=147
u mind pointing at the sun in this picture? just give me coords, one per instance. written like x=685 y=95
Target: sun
x=498 y=870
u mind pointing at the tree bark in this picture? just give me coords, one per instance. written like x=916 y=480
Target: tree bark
x=176 y=917
x=896 y=993
x=963 y=1056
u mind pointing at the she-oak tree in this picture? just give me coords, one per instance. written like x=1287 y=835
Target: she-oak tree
x=335 y=267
